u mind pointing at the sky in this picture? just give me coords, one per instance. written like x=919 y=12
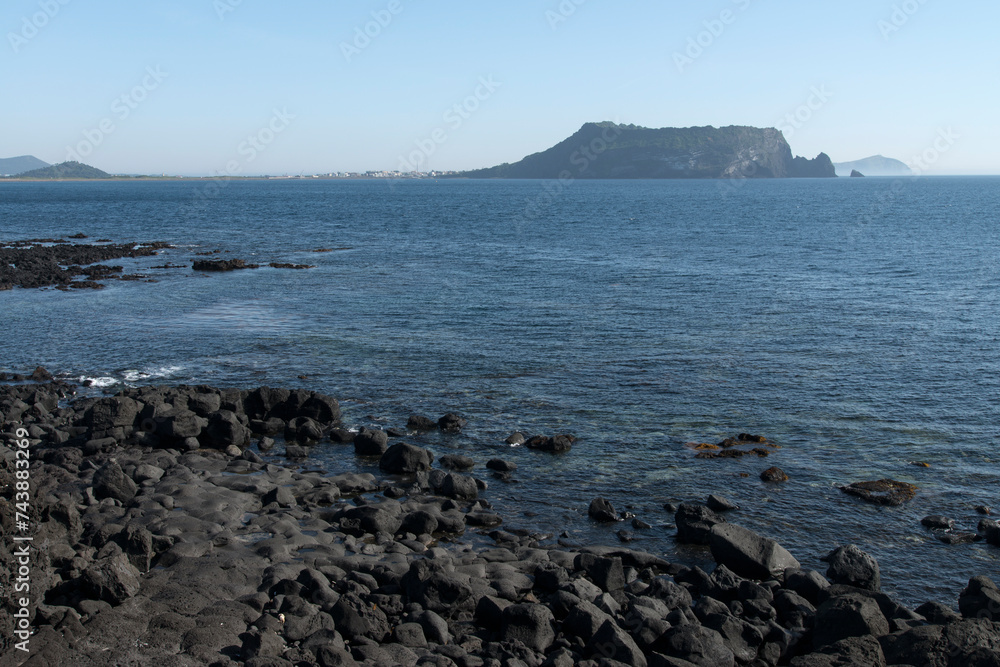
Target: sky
x=247 y=87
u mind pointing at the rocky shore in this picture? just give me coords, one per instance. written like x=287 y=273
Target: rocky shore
x=65 y=265
x=160 y=535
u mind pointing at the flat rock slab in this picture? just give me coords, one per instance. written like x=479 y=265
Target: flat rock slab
x=882 y=492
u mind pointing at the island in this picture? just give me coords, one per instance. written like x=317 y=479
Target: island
x=610 y=150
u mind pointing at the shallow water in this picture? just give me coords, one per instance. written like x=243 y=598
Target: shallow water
x=854 y=322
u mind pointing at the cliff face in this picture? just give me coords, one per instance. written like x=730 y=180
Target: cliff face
x=607 y=150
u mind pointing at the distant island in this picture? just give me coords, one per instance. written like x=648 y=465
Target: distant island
x=73 y=170
x=875 y=165
x=12 y=166
x=610 y=150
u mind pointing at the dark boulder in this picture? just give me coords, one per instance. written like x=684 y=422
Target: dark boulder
x=850 y=652
x=720 y=504
x=966 y=643
x=403 y=458
x=112 y=412
x=421 y=423
x=225 y=429
x=774 y=474
x=501 y=466
x=554 y=445
x=459 y=487
x=700 y=646
x=613 y=643
x=851 y=566
x=322 y=409
x=371 y=442
x=980 y=599
x=749 y=554
x=370 y=519
x=182 y=424
x=850 y=615
x=530 y=624
x=457 y=462
x=694 y=523
x=112 y=579
x=303 y=430
x=356 y=619
x=451 y=423
x=602 y=510
x=936 y=521
x=111 y=482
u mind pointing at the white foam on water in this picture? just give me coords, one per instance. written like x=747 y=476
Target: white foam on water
x=99 y=382
x=133 y=375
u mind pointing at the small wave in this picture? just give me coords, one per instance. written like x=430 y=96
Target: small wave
x=99 y=382
x=132 y=375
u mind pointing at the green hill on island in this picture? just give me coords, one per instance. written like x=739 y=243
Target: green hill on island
x=609 y=150
x=13 y=166
x=65 y=170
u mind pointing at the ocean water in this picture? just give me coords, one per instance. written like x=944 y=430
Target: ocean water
x=854 y=322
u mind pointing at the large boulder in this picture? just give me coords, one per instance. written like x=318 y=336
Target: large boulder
x=225 y=429
x=370 y=519
x=612 y=642
x=113 y=579
x=303 y=430
x=699 y=646
x=851 y=566
x=530 y=624
x=111 y=482
x=403 y=458
x=851 y=615
x=980 y=599
x=694 y=523
x=321 y=408
x=371 y=442
x=602 y=510
x=112 y=412
x=882 y=492
x=182 y=424
x=748 y=554
x=459 y=487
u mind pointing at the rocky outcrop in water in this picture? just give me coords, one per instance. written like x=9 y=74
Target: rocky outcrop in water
x=59 y=263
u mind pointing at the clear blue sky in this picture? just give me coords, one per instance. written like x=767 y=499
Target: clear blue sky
x=225 y=66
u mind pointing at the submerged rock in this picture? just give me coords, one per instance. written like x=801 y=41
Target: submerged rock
x=882 y=492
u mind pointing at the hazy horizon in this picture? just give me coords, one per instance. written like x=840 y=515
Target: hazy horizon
x=206 y=87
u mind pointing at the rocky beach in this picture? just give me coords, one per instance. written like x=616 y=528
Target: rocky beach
x=179 y=525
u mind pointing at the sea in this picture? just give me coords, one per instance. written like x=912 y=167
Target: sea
x=853 y=322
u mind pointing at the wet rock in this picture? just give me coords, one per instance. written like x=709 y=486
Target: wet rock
x=111 y=482
x=937 y=613
x=459 y=487
x=515 y=438
x=322 y=409
x=403 y=458
x=983 y=509
x=421 y=423
x=530 y=624
x=602 y=510
x=774 y=474
x=980 y=599
x=341 y=435
x=882 y=492
x=501 y=466
x=720 y=504
x=749 y=554
x=370 y=519
x=451 y=423
x=457 y=462
x=851 y=566
x=958 y=537
x=371 y=442
x=694 y=523
x=555 y=445
x=810 y=584
x=937 y=521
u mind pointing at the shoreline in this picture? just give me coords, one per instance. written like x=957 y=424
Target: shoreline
x=160 y=532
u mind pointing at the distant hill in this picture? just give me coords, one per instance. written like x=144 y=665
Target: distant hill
x=875 y=165
x=66 y=170
x=12 y=166
x=609 y=150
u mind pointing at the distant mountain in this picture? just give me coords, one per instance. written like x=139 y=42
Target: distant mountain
x=12 y=166
x=875 y=165
x=66 y=170
x=608 y=150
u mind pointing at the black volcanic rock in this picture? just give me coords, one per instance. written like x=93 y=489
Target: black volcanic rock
x=609 y=150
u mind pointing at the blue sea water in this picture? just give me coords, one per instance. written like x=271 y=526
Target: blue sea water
x=852 y=321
